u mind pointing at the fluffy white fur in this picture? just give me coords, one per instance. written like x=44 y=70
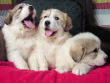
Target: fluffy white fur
x=20 y=40
x=85 y=50
x=60 y=23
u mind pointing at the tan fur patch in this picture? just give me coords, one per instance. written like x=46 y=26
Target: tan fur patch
x=8 y=18
x=68 y=23
x=76 y=53
x=10 y=14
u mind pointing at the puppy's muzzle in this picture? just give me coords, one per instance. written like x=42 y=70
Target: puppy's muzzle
x=28 y=22
x=47 y=23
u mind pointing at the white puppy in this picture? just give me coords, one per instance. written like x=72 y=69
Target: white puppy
x=53 y=31
x=19 y=33
x=86 y=52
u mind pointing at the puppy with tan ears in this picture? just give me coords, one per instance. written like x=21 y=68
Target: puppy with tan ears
x=53 y=31
x=85 y=51
x=19 y=33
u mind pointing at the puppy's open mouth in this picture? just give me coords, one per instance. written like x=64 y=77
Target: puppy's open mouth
x=49 y=32
x=28 y=22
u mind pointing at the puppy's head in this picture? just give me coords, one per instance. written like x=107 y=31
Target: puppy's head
x=54 y=22
x=88 y=50
x=23 y=14
x=95 y=57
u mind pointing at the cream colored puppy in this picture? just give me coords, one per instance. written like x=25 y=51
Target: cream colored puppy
x=53 y=31
x=19 y=33
x=86 y=52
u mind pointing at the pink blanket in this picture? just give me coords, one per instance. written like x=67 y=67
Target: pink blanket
x=10 y=74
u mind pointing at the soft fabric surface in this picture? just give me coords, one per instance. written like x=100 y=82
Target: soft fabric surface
x=9 y=74
x=102 y=12
x=5 y=5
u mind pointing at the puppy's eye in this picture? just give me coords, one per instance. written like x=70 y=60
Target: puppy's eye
x=45 y=16
x=95 y=50
x=56 y=18
x=20 y=7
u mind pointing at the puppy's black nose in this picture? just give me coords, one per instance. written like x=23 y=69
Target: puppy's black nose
x=31 y=8
x=47 y=23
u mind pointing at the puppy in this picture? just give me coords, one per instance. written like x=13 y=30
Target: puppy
x=53 y=31
x=19 y=33
x=85 y=51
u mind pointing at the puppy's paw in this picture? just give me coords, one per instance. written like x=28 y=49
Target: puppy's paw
x=81 y=69
x=43 y=68
x=35 y=68
x=22 y=66
x=62 y=69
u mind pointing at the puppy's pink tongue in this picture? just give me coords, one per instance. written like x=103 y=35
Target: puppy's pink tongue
x=29 y=24
x=48 y=33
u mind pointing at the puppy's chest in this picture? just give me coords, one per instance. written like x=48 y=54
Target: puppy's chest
x=49 y=51
x=24 y=46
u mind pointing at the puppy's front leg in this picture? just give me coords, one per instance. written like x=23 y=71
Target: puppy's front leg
x=37 y=61
x=81 y=68
x=18 y=60
x=33 y=63
x=43 y=65
x=64 y=61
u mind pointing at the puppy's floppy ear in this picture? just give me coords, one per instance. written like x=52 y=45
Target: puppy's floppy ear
x=68 y=23
x=8 y=18
x=77 y=53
